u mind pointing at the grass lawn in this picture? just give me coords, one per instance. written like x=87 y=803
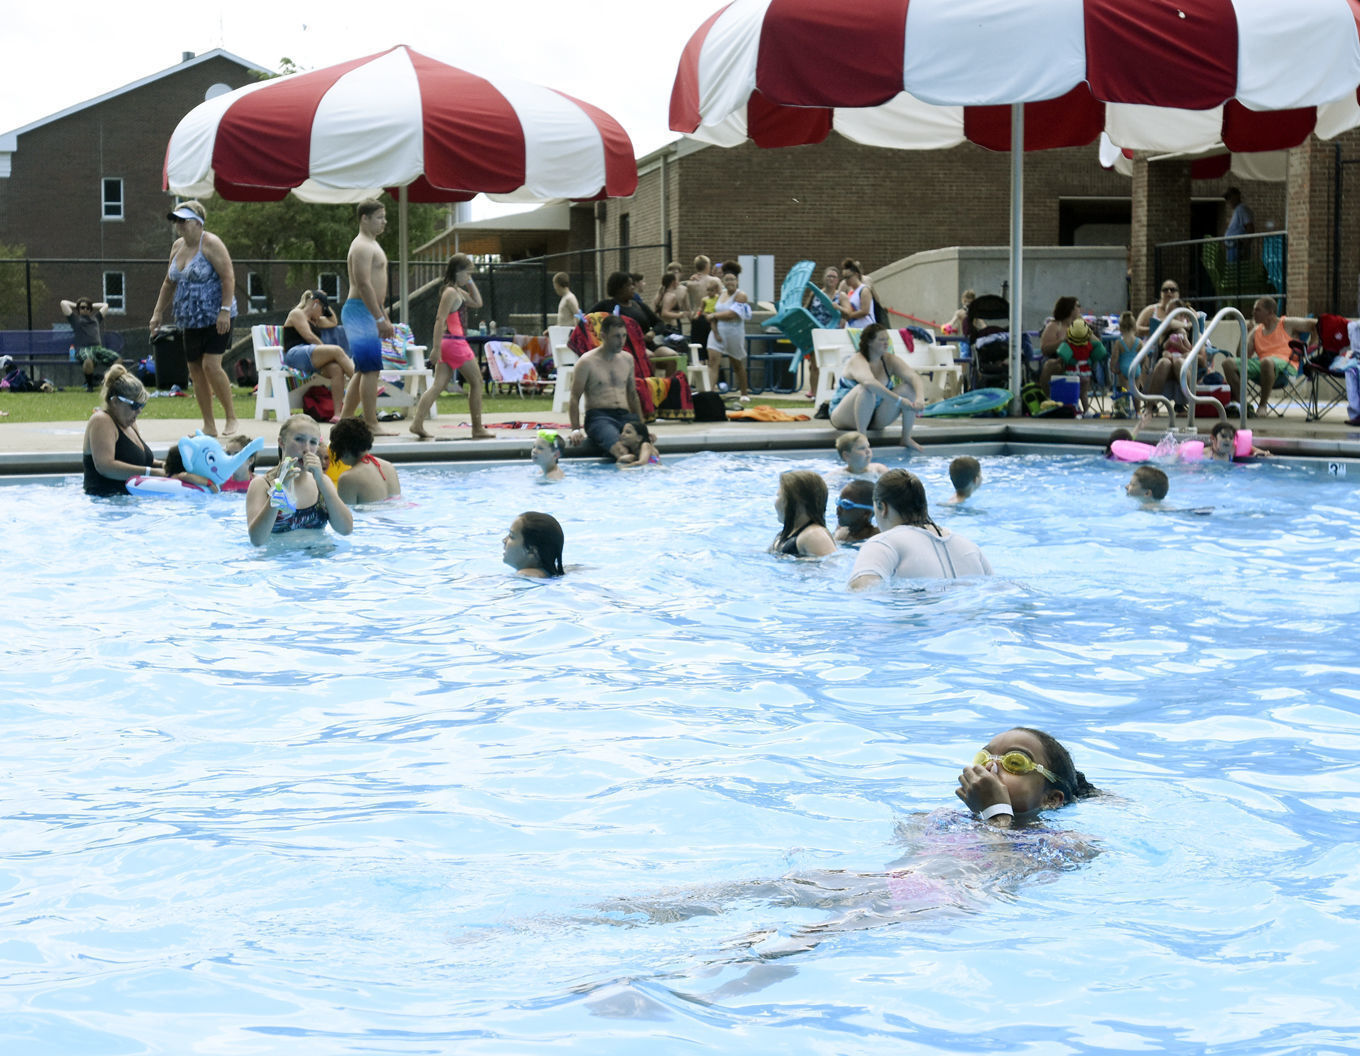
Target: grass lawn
x=76 y=405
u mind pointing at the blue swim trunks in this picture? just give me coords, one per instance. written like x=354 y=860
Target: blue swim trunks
x=365 y=347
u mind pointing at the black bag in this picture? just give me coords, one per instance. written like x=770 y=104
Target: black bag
x=709 y=407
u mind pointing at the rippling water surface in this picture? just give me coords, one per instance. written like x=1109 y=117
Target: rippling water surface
x=374 y=795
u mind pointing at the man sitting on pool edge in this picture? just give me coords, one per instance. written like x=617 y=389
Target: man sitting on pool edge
x=604 y=376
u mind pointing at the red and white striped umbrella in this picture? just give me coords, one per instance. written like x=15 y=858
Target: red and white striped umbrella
x=1159 y=75
x=398 y=119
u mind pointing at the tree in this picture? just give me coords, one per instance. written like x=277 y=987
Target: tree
x=20 y=287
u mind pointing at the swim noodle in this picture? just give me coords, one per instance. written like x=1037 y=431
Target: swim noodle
x=1134 y=451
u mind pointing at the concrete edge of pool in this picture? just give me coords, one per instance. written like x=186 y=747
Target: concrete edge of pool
x=53 y=448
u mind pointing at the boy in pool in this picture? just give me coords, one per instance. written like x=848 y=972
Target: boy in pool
x=965 y=473
x=855 y=513
x=1147 y=483
x=547 y=452
x=640 y=445
x=857 y=455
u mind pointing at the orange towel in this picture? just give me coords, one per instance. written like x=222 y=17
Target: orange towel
x=763 y=412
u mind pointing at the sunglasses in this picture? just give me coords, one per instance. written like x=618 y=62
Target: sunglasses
x=846 y=504
x=1013 y=762
x=1171 y=289
x=131 y=403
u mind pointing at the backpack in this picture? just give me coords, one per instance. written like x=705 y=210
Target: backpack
x=709 y=407
x=17 y=381
x=246 y=374
x=318 y=403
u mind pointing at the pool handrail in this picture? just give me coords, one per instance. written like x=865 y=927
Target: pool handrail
x=1151 y=344
x=1193 y=398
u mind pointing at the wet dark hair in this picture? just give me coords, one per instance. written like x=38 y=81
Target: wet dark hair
x=543 y=535
x=963 y=471
x=857 y=520
x=1118 y=434
x=867 y=335
x=1153 y=480
x=611 y=322
x=903 y=493
x=1062 y=307
x=368 y=207
x=1071 y=782
x=350 y=436
x=804 y=493
x=174 y=461
x=1224 y=429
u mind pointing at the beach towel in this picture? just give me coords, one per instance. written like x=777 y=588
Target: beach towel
x=511 y=365
x=763 y=412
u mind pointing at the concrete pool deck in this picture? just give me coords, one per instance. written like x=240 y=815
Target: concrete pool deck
x=55 y=447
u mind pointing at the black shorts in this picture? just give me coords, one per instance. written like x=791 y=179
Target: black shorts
x=200 y=341
x=603 y=426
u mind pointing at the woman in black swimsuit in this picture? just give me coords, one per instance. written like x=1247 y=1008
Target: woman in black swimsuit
x=801 y=505
x=114 y=451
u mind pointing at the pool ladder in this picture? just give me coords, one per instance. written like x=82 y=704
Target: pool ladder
x=1201 y=340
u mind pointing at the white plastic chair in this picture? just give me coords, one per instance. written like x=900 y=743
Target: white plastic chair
x=831 y=349
x=272 y=394
x=697 y=371
x=565 y=359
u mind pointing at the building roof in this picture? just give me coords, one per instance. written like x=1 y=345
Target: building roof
x=9 y=141
x=551 y=216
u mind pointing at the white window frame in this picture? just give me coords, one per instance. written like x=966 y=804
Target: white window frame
x=256 y=302
x=106 y=202
x=117 y=302
x=328 y=282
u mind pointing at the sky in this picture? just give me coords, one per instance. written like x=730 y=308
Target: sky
x=620 y=56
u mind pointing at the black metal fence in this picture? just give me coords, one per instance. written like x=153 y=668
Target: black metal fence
x=515 y=294
x=519 y=293
x=1214 y=273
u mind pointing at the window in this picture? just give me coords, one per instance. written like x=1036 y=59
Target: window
x=115 y=293
x=625 y=236
x=113 y=198
x=257 y=297
x=328 y=282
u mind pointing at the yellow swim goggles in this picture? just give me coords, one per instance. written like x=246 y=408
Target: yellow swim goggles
x=1013 y=762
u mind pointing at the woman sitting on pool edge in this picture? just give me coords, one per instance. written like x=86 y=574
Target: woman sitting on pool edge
x=296 y=493
x=801 y=504
x=910 y=544
x=533 y=546
x=864 y=398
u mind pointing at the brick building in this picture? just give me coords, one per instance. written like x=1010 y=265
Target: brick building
x=82 y=188
x=837 y=198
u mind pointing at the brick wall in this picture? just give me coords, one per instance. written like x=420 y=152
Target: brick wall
x=52 y=201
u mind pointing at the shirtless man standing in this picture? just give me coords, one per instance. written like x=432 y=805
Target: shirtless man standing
x=604 y=376
x=363 y=315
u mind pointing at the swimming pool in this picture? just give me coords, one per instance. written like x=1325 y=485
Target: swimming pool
x=377 y=796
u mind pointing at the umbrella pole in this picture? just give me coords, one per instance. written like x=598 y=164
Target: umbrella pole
x=404 y=254
x=1017 y=248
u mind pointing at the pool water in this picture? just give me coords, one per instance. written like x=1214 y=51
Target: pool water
x=375 y=795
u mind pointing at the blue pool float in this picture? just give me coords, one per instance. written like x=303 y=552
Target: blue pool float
x=967 y=404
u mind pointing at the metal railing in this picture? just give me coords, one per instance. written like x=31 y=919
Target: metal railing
x=1222 y=271
x=1188 y=387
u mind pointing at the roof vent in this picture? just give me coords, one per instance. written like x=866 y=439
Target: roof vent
x=186 y=56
